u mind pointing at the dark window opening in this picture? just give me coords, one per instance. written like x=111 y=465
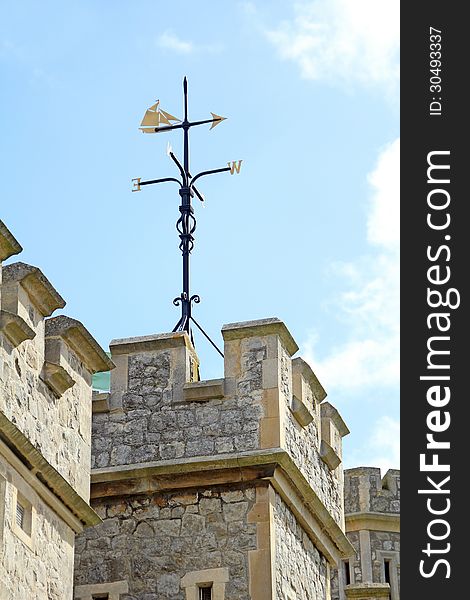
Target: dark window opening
x=387 y=571
x=205 y=593
x=347 y=572
x=20 y=514
x=100 y=597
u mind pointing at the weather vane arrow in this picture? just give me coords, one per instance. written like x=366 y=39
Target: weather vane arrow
x=156 y=120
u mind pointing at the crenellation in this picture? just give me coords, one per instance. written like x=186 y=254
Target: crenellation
x=47 y=395
x=28 y=293
x=366 y=491
x=238 y=443
x=45 y=422
x=234 y=483
x=372 y=506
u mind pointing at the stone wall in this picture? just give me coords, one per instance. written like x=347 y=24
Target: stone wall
x=383 y=543
x=372 y=506
x=301 y=571
x=303 y=441
x=156 y=423
x=159 y=428
x=46 y=366
x=365 y=490
x=153 y=541
x=303 y=444
x=58 y=427
x=152 y=416
x=41 y=567
x=355 y=560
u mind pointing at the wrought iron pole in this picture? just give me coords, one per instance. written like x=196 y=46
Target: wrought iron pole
x=186 y=224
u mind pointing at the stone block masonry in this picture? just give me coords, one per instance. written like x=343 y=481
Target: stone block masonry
x=153 y=541
x=372 y=506
x=151 y=418
x=46 y=365
x=204 y=482
x=37 y=563
x=301 y=571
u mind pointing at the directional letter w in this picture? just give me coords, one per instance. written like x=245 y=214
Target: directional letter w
x=235 y=166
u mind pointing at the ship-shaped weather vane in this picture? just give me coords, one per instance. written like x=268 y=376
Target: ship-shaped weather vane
x=156 y=120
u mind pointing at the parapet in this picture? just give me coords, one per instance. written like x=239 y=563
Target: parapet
x=46 y=367
x=20 y=279
x=26 y=297
x=265 y=408
x=365 y=491
x=64 y=335
x=333 y=429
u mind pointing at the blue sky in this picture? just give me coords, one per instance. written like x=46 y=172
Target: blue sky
x=308 y=231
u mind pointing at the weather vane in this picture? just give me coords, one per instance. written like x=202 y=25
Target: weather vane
x=157 y=120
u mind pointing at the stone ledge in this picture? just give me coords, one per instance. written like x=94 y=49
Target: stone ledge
x=100 y=402
x=200 y=391
x=162 y=481
x=78 y=339
x=329 y=456
x=300 y=412
x=299 y=365
x=111 y=590
x=8 y=244
x=56 y=378
x=219 y=575
x=14 y=328
x=373 y=521
x=45 y=480
x=39 y=289
x=147 y=343
x=367 y=591
x=186 y=465
x=260 y=327
x=158 y=475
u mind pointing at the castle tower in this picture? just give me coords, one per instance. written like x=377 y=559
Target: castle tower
x=227 y=489
x=46 y=365
x=372 y=508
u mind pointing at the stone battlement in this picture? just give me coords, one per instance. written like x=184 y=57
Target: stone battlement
x=366 y=491
x=372 y=506
x=157 y=410
x=46 y=366
x=239 y=478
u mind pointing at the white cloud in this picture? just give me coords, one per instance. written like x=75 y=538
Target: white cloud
x=343 y=40
x=170 y=41
x=370 y=307
x=383 y=224
x=382 y=449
